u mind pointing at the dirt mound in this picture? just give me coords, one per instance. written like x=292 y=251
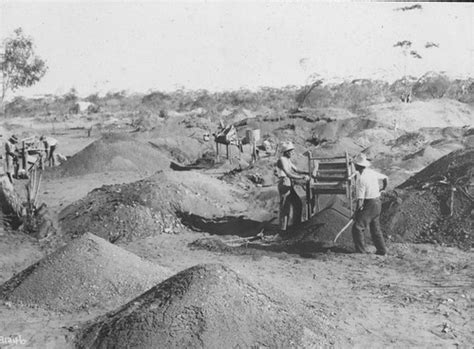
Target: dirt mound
x=150 y=206
x=114 y=152
x=379 y=135
x=457 y=166
x=88 y=272
x=435 y=205
x=326 y=224
x=182 y=149
x=312 y=236
x=413 y=116
x=333 y=130
x=206 y=306
x=427 y=155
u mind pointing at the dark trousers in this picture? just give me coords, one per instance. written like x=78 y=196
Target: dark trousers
x=368 y=218
x=51 y=160
x=289 y=199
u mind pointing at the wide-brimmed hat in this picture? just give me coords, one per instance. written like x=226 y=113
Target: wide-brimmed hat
x=287 y=146
x=361 y=160
x=13 y=139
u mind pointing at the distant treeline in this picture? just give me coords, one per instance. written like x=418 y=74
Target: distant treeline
x=354 y=95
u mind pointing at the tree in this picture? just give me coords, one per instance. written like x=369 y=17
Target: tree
x=314 y=80
x=406 y=47
x=20 y=66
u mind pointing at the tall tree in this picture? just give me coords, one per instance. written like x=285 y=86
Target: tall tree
x=19 y=64
x=409 y=52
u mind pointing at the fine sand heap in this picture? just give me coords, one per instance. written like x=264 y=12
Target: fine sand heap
x=321 y=230
x=435 y=205
x=88 y=272
x=206 y=306
x=112 y=153
x=149 y=206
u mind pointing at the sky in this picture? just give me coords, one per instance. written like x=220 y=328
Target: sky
x=221 y=45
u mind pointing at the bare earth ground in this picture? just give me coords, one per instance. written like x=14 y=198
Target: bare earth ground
x=417 y=296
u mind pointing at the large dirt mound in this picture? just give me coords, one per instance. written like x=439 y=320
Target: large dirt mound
x=88 y=272
x=436 y=204
x=206 y=306
x=413 y=116
x=114 y=152
x=333 y=130
x=149 y=206
x=181 y=148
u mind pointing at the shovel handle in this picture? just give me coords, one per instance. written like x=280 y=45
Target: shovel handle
x=343 y=229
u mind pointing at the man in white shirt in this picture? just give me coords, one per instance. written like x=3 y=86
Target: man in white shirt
x=369 y=207
x=287 y=173
x=50 y=145
x=11 y=157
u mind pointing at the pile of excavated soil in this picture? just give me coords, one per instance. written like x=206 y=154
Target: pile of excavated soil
x=88 y=272
x=333 y=130
x=205 y=306
x=114 y=152
x=378 y=135
x=314 y=235
x=413 y=116
x=427 y=155
x=184 y=149
x=436 y=205
x=149 y=206
x=324 y=226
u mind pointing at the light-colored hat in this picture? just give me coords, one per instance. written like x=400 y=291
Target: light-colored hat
x=361 y=160
x=287 y=146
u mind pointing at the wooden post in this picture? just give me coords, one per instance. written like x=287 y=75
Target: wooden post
x=309 y=212
x=23 y=155
x=217 y=151
x=227 y=150
x=309 y=198
x=349 y=183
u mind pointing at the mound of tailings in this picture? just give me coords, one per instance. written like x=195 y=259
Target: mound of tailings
x=411 y=117
x=88 y=272
x=149 y=206
x=435 y=205
x=112 y=153
x=206 y=306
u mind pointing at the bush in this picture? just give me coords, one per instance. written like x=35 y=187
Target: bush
x=431 y=85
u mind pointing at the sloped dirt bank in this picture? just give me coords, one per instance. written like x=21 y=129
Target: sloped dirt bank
x=436 y=204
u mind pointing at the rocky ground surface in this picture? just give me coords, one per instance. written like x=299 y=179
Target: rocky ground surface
x=205 y=212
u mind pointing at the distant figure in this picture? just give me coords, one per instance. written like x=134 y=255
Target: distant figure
x=287 y=173
x=50 y=145
x=406 y=97
x=369 y=207
x=10 y=156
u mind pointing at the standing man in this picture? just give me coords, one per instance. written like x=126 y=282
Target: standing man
x=10 y=156
x=368 y=209
x=287 y=173
x=50 y=145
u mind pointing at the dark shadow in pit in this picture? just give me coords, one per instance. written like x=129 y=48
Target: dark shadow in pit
x=227 y=225
x=287 y=243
